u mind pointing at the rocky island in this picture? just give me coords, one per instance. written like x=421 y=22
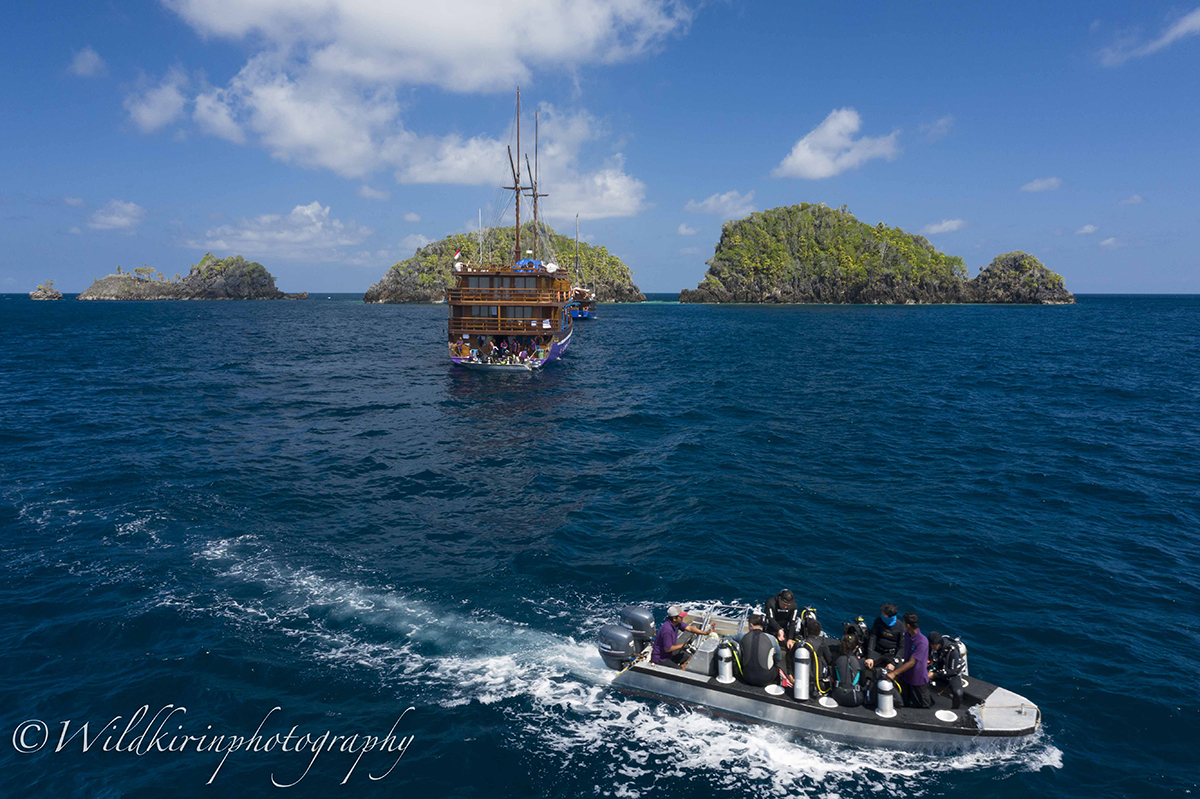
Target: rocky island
x=427 y=274
x=46 y=291
x=815 y=254
x=232 y=278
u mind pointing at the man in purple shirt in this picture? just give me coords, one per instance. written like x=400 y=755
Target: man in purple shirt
x=914 y=672
x=667 y=651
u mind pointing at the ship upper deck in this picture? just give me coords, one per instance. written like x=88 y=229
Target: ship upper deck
x=509 y=285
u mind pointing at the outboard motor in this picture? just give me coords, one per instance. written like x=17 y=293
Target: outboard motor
x=725 y=663
x=640 y=621
x=617 y=646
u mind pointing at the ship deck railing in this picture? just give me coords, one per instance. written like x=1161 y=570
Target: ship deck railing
x=515 y=296
x=478 y=324
x=463 y=268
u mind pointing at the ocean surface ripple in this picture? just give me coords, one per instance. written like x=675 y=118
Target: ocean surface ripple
x=235 y=506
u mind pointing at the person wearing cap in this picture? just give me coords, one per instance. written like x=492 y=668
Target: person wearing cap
x=667 y=651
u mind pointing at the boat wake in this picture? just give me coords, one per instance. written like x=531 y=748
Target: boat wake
x=554 y=694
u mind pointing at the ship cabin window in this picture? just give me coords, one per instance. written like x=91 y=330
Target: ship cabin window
x=525 y=282
x=484 y=311
x=473 y=282
x=519 y=312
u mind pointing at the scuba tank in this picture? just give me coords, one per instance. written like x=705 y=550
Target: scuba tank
x=821 y=678
x=807 y=615
x=948 y=640
x=857 y=628
x=725 y=661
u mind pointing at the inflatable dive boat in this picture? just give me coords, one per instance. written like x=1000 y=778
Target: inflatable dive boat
x=988 y=712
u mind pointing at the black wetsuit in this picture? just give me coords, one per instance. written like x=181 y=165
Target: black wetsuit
x=780 y=618
x=883 y=644
x=756 y=654
x=849 y=690
x=947 y=667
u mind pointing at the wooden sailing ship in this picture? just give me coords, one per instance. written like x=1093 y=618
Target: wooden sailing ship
x=514 y=315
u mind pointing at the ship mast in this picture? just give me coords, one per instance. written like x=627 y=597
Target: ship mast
x=534 y=175
x=516 y=186
x=534 y=193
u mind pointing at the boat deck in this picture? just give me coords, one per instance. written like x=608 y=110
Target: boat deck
x=988 y=711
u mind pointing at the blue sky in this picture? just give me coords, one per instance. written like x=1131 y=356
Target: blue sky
x=329 y=138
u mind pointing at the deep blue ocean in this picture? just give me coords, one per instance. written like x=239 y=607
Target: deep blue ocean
x=232 y=507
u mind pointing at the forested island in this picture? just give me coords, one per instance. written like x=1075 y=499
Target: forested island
x=815 y=254
x=427 y=274
x=232 y=278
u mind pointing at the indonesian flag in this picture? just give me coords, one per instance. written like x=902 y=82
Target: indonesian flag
x=457 y=253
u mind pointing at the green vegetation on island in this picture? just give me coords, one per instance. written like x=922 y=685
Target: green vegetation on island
x=232 y=278
x=429 y=272
x=815 y=254
x=45 y=291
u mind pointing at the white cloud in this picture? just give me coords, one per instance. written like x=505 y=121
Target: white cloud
x=684 y=230
x=413 y=242
x=87 y=63
x=938 y=128
x=308 y=233
x=830 y=148
x=459 y=45
x=603 y=194
x=1133 y=199
x=1110 y=242
x=160 y=105
x=1086 y=230
x=316 y=121
x=368 y=193
x=75 y=231
x=945 y=226
x=1128 y=47
x=413 y=217
x=730 y=205
x=73 y=201
x=322 y=85
x=214 y=115
x=1042 y=184
x=117 y=215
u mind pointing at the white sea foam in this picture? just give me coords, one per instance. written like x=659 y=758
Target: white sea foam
x=557 y=693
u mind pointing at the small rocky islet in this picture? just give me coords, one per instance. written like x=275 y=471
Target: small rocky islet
x=46 y=291
x=232 y=278
x=429 y=272
x=810 y=253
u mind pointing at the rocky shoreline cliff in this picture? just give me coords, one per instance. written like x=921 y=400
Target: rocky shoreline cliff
x=232 y=278
x=427 y=274
x=815 y=254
